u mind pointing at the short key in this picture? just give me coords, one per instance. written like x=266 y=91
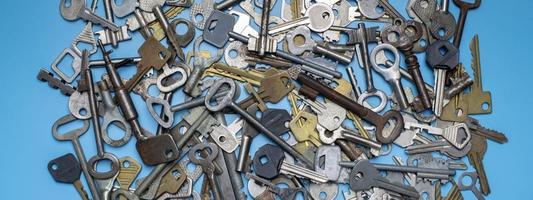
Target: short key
x=329 y=114
x=276 y=164
x=207 y=164
x=443 y=57
x=458 y=135
x=443 y=23
x=475 y=156
x=345 y=134
x=472 y=187
x=77 y=10
x=66 y=169
x=319 y=17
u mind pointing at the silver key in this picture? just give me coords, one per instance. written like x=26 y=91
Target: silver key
x=419 y=171
x=442 y=146
x=77 y=10
x=391 y=74
x=472 y=187
x=302 y=172
x=319 y=18
x=330 y=115
x=458 y=135
x=326 y=161
x=345 y=134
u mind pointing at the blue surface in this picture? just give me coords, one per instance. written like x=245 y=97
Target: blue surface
x=34 y=33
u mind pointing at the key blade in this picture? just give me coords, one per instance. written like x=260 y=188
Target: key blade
x=476 y=160
x=86 y=14
x=81 y=191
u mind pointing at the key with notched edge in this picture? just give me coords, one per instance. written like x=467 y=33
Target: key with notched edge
x=67 y=169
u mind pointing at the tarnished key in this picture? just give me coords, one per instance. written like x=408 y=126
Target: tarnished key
x=303 y=124
x=172 y=180
x=66 y=169
x=207 y=164
x=273 y=89
x=464 y=6
x=490 y=134
x=330 y=115
x=458 y=135
x=472 y=186
x=475 y=156
x=77 y=10
x=129 y=169
x=479 y=101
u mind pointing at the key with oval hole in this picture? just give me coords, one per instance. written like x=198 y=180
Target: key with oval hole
x=227 y=101
x=73 y=136
x=392 y=119
x=101 y=155
x=475 y=156
x=308 y=44
x=76 y=10
x=458 y=135
x=463 y=186
x=207 y=164
x=391 y=74
x=443 y=57
x=319 y=17
x=270 y=162
x=364 y=176
x=464 y=7
x=329 y=137
x=479 y=101
x=129 y=170
x=172 y=181
x=112 y=115
x=66 y=169
x=152 y=150
x=330 y=115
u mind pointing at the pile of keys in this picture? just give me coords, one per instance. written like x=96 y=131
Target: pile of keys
x=331 y=136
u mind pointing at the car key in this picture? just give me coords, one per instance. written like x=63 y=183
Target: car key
x=66 y=169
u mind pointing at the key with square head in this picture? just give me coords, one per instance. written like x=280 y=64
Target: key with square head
x=472 y=186
x=270 y=162
x=101 y=155
x=207 y=164
x=364 y=176
x=66 y=169
x=464 y=7
x=475 y=156
x=73 y=136
x=479 y=101
x=76 y=9
x=155 y=149
x=443 y=57
x=227 y=101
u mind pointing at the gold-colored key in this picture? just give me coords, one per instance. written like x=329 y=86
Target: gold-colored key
x=344 y=87
x=260 y=103
x=253 y=77
x=172 y=181
x=273 y=89
x=157 y=30
x=438 y=192
x=479 y=101
x=303 y=124
x=457 y=109
x=129 y=169
x=454 y=193
x=475 y=156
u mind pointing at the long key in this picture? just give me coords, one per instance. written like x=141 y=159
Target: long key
x=207 y=164
x=442 y=146
x=248 y=134
x=391 y=74
x=66 y=169
x=228 y=102
x=464 y=7
x=270 y=162
x=443 y=57
x=451 y=133
x=479 y=101
x=77 y=10
x=74 y=136
x=472 y=186
x=364 y=176
x=475 y=156
x=345 y=134
x=420 y=171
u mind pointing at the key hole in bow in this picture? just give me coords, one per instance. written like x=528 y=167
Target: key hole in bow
x=119 y=2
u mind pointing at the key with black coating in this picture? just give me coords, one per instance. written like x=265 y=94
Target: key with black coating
x=67 y=169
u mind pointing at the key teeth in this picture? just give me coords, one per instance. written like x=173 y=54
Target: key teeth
x=55 y=83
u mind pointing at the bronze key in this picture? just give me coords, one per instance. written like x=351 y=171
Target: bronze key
x=479 y=101
x=129 y=169
x=172 y=180
x=475 y=156
x=153 y=55
x=273 y=89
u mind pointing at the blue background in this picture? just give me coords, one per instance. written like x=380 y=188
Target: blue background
x=34 y=33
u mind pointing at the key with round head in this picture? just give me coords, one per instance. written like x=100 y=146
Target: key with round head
x=443 y=57
x=392 y=73
x=77 y=9
x=319 y=17
x=364 y=176
x=472 y=186
x=464 y=7
x=329 y=137
x=207 y=164
x=443 y=24
x=228 y=102
x=73 y=136
x=66 y=169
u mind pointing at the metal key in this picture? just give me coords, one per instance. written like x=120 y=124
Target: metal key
x=270 y=162
x=345 y=134
x=442 y=146
x=77 y=10
x=74 y=136
x=364 y=176
x=479 y=101
x=248 y=133
x=172 y=181
x=129 y=170
x=101 y=155
x=308 y=44
x=329 y=114
x=475 y=156
x=443 y=57
x=458 y=135
x=420 y=171
x=443 y=23
x=112 y=115
x=319 y=17
x=207 y=164
x=472 y=186
x=66 y=169
x=478 y=129
x=228 y=102
x=464 y=7
x=392 y=73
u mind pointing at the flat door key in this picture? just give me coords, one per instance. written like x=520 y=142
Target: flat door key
x=443 y=57
x=451 y=133
x=77 y=10
x=66 y=169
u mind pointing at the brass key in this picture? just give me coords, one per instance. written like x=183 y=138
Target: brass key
x=129 y=169
x=273 y=89
x=303 y=125
x=479 y=101
x=153 y=55
x=457 y=108
x=454 y=193
x=475 y=156
x=172 y=180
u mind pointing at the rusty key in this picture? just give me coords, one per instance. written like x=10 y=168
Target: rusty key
x=464 y=7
